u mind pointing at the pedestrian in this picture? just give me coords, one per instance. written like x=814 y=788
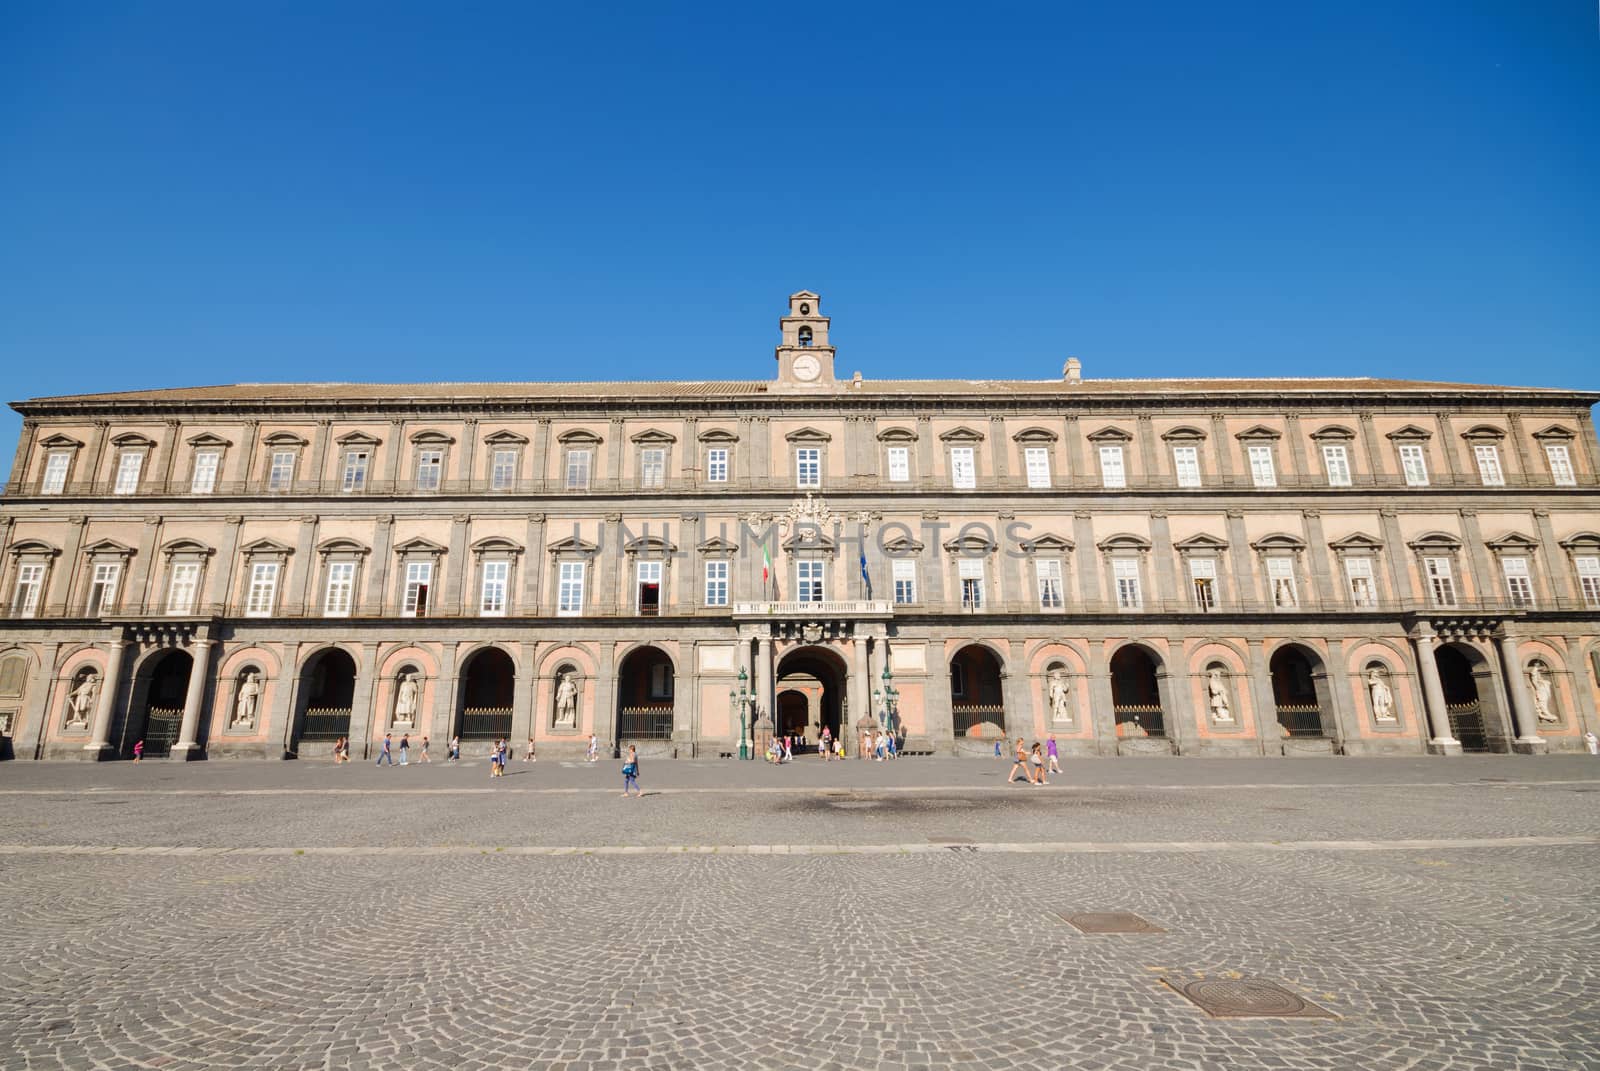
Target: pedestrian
x=594 y=748
x=138 y=750
x=788 y=749
x=454 y=753
x=998 y=753
x=838 y=747
x=1021 y=763
x=1038 y=765
x=338 y=751
x=1054 y=755
x=405 y=749
x=893 y=748
x=530 y=756
x=825 y=746
x=384 y=754
x=422 y=755
x=630 y=772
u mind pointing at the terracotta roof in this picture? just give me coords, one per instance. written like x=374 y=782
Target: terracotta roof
x=379 y=392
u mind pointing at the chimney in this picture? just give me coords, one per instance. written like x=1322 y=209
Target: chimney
x=1072 y=371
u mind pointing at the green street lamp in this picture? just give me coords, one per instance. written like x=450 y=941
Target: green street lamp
x=741 y=699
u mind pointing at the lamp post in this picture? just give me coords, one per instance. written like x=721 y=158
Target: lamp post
x=891 y=701
x=741 y=699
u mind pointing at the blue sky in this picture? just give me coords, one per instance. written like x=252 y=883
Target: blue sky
x=198 y=193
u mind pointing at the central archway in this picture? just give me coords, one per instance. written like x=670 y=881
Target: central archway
x=811 y=694
x=1300 y=692
x=158 y=713
x=488 y=688
x=1136 y=693
x=327 y=693
x=1470 y=698
x=645 y=697
x=977 y=696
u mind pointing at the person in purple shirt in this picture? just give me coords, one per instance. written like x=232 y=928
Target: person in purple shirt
x=1053 y=755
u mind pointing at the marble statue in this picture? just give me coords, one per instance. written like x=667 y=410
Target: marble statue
x=567 y=702
x=1059 y=709
x=405 y=700
x=1217 y=696
x=1542 y=693
x=1382 y=698
x=80 y=701
x=244 y=706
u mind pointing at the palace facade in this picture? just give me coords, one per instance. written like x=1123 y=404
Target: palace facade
x=1208 y=566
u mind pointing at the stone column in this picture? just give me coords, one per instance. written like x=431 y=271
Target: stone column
x=860 y=689
x=764 y=678
x=1173 y=679
x=1523 y=718
x=1441 y=743
x=937 y=713
x=363 y=716
x=1102 y=717
x=100 y=733
x=1016 y=692
x=523 y=723
x=444 y=693
x=1269 y=731
x=188 y=746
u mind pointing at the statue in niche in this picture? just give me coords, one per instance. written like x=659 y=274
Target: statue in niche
x=1543 y=693
x=80 y=701
x=1382 y=698
x=244 y=705
x=1217 y=695
x=1059 y=697
x=567 y=701
x=405 y=700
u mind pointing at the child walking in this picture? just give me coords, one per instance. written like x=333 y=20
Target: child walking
x=630 y=772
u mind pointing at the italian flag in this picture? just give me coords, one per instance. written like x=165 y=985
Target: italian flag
x=766 y=567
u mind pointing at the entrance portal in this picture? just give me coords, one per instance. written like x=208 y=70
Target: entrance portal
x=645 y=690
x=158 y=723
x=327 y=690
x=487 y=689
x=1461 y=698
x=1136 y=693
x=1297 y=692
x=813 y=680
x=977 y=699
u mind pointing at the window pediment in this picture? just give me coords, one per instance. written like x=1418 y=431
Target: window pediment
x=266 y=546
x=652 y=437
x=579 y=437
x=1333 y=433
x=1047 y=543
x=1555 y=433
x=962 y=434
x=496 y=545
x=1436 y=541
x=132 y=438
x=1512 y=541
x=1279 y=541
x=572 y=545
x=1184 y=433
x=285 y=438
x=718 y=435
x=206 y=438
x=59 y=441
x=649 y=545
x=1259 y=433
x=357 y=438
x=1126 y=542
x=1582 y=543
x=970 y=545
x=809 y=435
x=806 y=537
x=108 y=546
x=903 y=547
x=431 y=437
x=718 y=547
x=1110 y=434
x=1356 y=541
x=1484 y=433
x=505 y=438
x=35 y=548
x=418 y=545
x=1201 y=542
x=1035 y=435
x=342 y=545
x=186 y=546
x=1410 y=433
x=897 y=435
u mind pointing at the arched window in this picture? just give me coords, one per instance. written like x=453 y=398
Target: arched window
x=805 y=336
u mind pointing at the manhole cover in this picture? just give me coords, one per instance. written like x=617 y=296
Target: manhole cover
x=1111 y=922
x=1233 y=998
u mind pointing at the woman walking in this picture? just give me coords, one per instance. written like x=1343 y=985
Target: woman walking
x=630 y=772
x=422 y=755
x=529 y=756
x=405 y=749
x=455 y=749
x=1037 y=776
x=1021 y=763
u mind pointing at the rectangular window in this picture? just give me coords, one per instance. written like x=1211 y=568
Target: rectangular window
x=1186 y=463
x=661 y=680
x=281 y=474
x=503 y=472
x=355 y=470
x=1519 y=583
x=578 y=470
x=808 y=581
x=1489 y=469
x=1280 y=576
x=899 y=464
x=30 y=587
x=1126 y=573
x=103 y=588
x=128 y=466
x=1561 y=471
x=55 y=474
x=717 y=465
x=430 y=469
x=569 y=593
x=419 y=577
x=1048 y=572
x=341 y=588
x=492 y=599
x=958 y=679
x=1203 y=580
x=970 y=573
x=1036 y=460
x=963 y=472
x=183 y=587
x=1414 y=463
x=203 y=481
x=717 y=583
x=808 y=466
x=905 y=581
x=1441 y=581
x=263 y=589
x=648 y=576
x=1589 y=580
x=1262 y=474
x=1363 y=586
x=653 y=467
x=1112 y=473
x=1336 y=460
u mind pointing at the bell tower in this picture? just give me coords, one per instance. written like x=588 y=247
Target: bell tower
x=805 y=359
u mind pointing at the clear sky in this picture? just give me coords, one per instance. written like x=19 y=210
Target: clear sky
x=212 y=192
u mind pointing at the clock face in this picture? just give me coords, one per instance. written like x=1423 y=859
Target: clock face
x=806 y=367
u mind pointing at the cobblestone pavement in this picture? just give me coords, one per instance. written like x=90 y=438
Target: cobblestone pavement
x=432 y=921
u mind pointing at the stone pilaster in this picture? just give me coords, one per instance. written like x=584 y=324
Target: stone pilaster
x=1442 y=741
x=188 y=746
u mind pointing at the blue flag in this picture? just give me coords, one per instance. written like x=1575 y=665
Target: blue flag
x=865 y=579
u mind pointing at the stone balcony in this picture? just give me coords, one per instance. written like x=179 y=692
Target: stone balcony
x=827 y=608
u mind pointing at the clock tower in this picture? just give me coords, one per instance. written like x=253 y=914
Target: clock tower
x=805 y=359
